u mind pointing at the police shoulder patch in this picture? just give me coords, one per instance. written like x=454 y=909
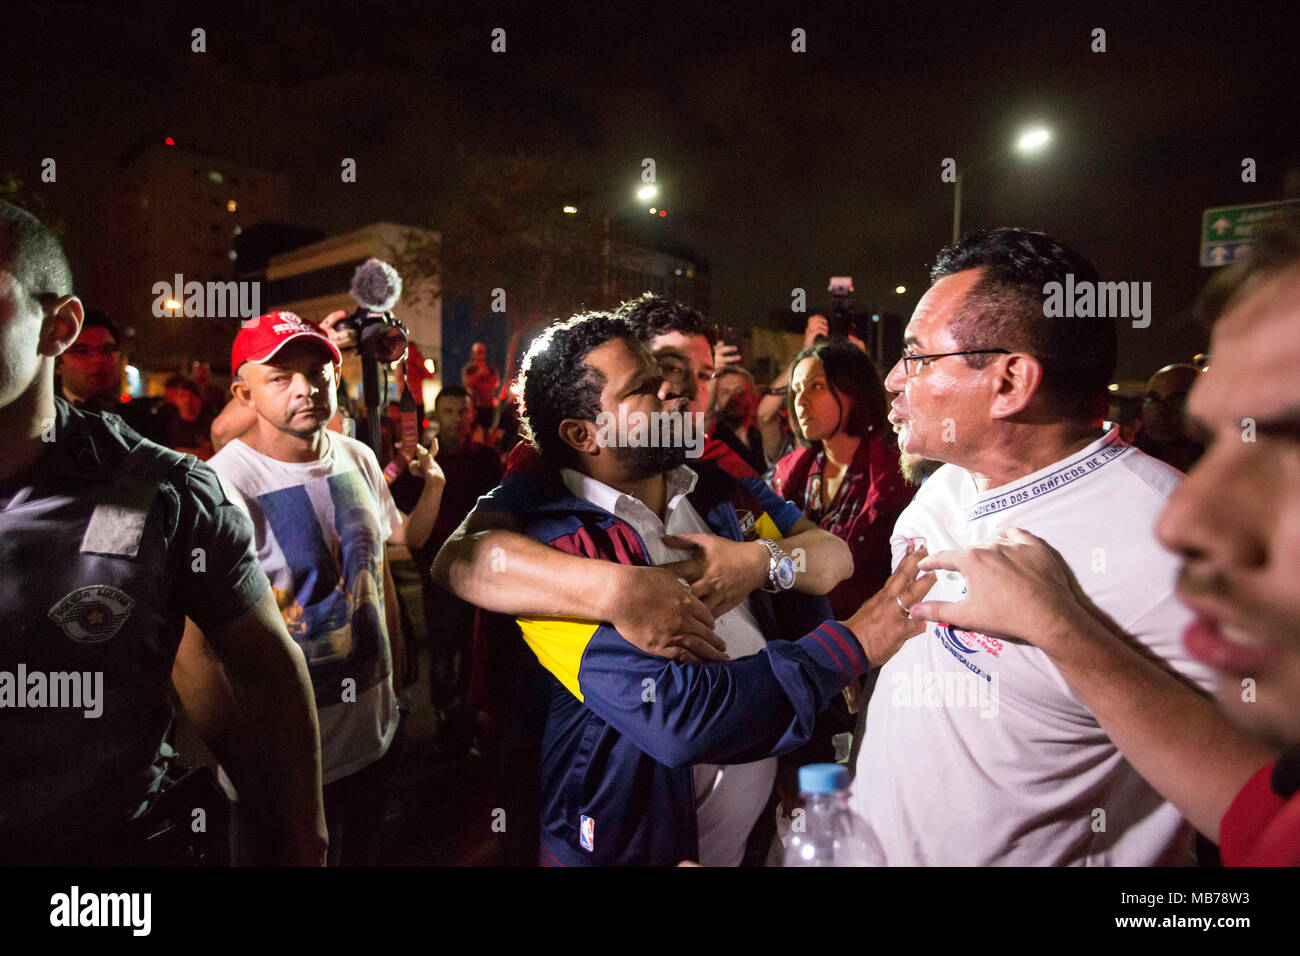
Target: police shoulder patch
x=92 y=614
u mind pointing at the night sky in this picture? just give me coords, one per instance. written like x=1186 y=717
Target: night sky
x=778 y=168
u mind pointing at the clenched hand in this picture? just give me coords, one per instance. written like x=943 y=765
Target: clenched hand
x=657 y=613
x=723 y=572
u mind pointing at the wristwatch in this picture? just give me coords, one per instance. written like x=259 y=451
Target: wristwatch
x=780 y=569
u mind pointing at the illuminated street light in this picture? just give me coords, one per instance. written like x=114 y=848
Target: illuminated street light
x=1033 y=140
x=900 y=289
x=653 y=210
x=571 y=210
x=647 y=192
x=172 y=306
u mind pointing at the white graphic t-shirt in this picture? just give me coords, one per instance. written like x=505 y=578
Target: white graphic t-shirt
x=319 y=529
x=976 y=751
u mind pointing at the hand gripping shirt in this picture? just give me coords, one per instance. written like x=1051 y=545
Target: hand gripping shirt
x=976 y=752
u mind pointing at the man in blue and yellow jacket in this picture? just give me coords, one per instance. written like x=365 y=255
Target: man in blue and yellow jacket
x=642 y=756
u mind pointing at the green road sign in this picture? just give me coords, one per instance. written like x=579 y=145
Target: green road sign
x=1228 y=231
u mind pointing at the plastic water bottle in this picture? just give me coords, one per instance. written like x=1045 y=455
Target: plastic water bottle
x=827 y=832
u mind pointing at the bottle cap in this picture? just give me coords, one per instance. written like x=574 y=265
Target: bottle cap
x=823 y=778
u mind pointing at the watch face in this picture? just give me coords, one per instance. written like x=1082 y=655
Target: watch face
x=785 y=573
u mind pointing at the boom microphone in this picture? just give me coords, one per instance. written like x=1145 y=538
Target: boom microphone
x=376 y=287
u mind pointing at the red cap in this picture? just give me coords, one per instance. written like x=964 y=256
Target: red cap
x=259 y=340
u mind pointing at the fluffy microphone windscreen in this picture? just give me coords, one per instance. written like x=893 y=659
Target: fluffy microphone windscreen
x=376 y=285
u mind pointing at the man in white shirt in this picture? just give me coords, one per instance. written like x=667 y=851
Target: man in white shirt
x=976 y=752
x=321 y=513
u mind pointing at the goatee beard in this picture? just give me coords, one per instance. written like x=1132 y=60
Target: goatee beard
x=916 y=469
x=647 y=460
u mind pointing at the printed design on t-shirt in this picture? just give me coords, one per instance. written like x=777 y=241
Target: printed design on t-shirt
x=334 y=609
x=1047 y=484
x=953 y=640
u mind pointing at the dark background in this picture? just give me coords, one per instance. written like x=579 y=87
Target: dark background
x=777 y=168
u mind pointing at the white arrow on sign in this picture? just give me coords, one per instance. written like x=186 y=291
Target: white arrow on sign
x=1218 y=254
x=1220 y=225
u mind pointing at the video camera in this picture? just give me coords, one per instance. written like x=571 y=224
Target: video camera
x=840 y=317
x=376 y=287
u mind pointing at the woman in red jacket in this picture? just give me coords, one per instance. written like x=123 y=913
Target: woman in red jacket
x=847 y=477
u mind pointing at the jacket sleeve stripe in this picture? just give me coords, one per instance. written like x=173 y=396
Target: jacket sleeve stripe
x=559 y=646
x=819 y=636
x=846 y=642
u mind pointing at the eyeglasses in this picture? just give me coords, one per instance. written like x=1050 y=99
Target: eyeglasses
x=86 y=351
x=908 y=359
x=1173 y=399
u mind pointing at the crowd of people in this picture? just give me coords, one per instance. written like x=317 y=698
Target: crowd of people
x=1042 y=625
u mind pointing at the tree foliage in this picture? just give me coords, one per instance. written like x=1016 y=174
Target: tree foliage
x=505 y=229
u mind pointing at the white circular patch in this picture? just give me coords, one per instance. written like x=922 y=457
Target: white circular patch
x=92 y=614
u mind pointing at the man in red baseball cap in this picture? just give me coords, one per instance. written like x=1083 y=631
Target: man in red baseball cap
x=256 y=342
x=322 y=513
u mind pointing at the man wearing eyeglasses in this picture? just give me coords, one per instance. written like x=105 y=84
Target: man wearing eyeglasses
x=90 y=376
x=1164 y=431
x=977 y=752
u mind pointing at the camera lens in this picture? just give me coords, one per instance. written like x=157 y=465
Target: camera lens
x=385 y=342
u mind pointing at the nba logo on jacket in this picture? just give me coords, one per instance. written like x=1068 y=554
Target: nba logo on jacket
x=587 y=833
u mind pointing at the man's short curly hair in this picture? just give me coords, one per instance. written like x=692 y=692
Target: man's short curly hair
x=1005 y=309
x=556 y=383
x=653 y=315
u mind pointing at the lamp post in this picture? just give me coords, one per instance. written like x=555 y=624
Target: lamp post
x=1031 y=141
x=644 y=193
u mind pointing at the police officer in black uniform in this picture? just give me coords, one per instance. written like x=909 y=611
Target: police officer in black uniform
x=107 y=543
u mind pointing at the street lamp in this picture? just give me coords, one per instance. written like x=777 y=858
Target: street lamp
x=1031 y=141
